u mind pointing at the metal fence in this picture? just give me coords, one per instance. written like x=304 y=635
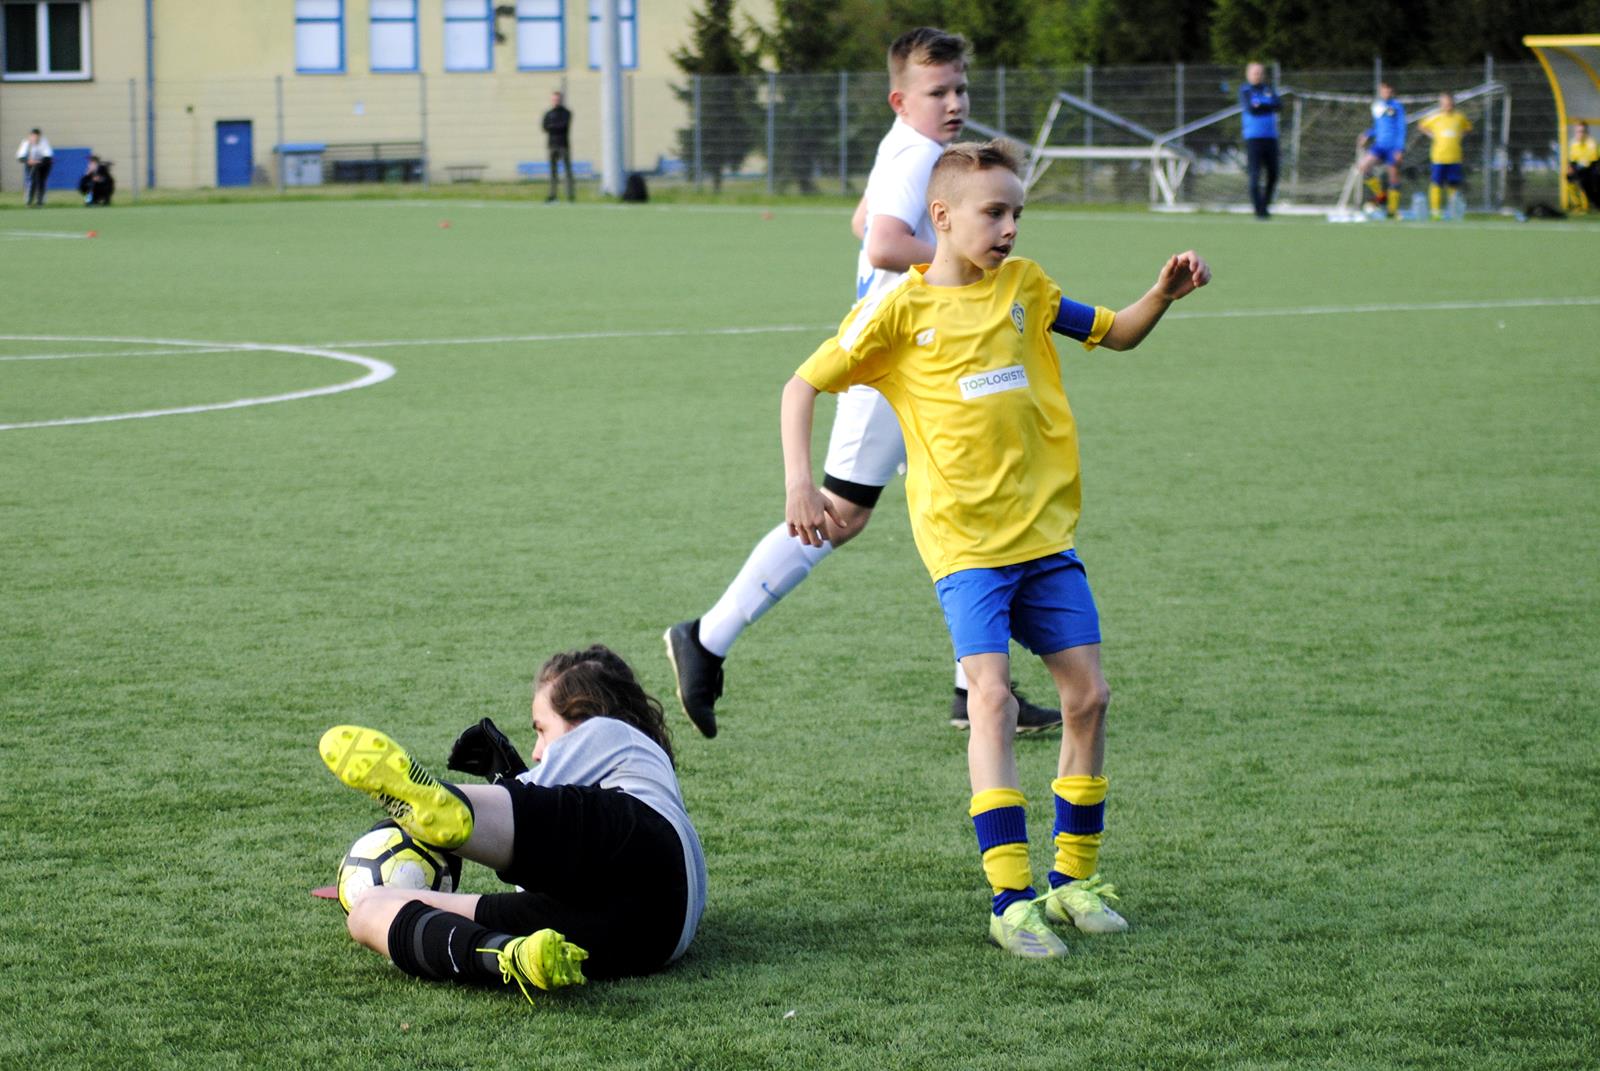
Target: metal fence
x=766 y=133
x=799 y=134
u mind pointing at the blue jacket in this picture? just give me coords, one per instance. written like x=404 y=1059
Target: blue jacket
x=1388 y=131
x=1261 y=104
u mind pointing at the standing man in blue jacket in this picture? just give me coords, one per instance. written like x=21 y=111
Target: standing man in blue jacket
x=1260 y=119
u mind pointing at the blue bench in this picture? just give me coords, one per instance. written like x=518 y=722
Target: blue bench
x=540 y=169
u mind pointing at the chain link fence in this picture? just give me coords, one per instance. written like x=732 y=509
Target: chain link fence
x=763 y=134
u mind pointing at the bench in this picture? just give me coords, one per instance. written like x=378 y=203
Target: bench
x=466 y=172
x=373 y=161
x=540 y=169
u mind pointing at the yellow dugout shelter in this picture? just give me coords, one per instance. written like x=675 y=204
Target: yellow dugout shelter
x=1572 y=63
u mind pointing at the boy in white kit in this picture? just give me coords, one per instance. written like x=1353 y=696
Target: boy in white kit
x=928 y=92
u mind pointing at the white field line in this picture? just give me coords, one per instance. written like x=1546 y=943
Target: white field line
x=377 y=372
x=63 y=235
x=1198 y=314
x=580 y=336
x=119 y=353
x=1401 y=306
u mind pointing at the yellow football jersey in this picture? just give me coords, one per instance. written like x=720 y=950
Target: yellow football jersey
x=1447 y=128
x=973 y=375
x=1583 y=152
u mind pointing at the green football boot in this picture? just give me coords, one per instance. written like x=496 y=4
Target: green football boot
x=430 y=810
x=1022 y=931
x=545 y=960
x=1083 y=904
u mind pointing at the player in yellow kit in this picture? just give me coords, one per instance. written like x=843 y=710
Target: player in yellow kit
x=1583 y=166
x=1446 y=128
x=961 y=349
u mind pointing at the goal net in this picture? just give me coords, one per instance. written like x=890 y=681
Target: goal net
x=1320 y=132
x=1202 y=163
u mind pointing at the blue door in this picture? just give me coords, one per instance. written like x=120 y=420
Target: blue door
x=235 y=153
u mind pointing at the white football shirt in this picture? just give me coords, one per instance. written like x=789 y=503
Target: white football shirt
x=898 y=187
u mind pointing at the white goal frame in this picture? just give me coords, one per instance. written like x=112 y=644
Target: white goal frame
x=1169 y=161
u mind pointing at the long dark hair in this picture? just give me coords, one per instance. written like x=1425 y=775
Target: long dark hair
x=596 y=683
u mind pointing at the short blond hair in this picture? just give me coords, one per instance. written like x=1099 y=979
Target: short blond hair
x=964 y=158
x=926 y=47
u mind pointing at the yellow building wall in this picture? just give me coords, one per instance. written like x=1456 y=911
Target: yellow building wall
x=94 y=114
x=231 y=59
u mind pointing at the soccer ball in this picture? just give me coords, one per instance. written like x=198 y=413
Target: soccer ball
x=1380 y=108
x=386 y=855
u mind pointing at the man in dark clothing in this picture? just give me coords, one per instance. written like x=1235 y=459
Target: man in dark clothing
x=1260 y=121
x=557 y=121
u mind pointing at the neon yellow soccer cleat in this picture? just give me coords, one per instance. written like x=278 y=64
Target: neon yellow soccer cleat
x=429 y=810
x=1083 y=904
x=544 y=960
x=1022 y=931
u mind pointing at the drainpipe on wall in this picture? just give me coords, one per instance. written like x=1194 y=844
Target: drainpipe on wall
x=149 y=93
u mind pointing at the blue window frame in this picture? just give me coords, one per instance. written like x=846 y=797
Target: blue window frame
x=628 y=30
x=541 y=35
x=319 y=36
x=468 y=35
x=393 y=40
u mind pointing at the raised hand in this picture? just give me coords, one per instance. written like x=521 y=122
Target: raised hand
x=1182 y=274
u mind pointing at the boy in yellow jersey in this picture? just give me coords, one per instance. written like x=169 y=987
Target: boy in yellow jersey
x=1446 y=128
x=1583 y=166
x=961 y=349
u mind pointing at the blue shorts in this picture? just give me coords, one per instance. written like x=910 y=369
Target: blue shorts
x=1447 y=174
x=1384 y=156
x=1045 y=604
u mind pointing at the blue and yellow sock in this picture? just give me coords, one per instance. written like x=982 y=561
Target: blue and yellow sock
x=1080 y=826
x=1000 y=817
x=1394 y=200
x=1435 y=197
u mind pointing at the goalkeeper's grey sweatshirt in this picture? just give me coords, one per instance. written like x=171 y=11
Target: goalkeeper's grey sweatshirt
x=612 y=754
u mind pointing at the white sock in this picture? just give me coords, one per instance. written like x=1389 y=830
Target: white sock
x=774 y=568
x=961 y=677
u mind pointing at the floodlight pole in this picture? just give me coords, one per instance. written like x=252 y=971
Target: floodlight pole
x=610 y=99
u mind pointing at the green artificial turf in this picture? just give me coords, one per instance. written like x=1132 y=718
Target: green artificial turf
x=1342 y=540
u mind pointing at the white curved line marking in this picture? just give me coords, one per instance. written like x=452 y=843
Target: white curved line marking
x=377 y=372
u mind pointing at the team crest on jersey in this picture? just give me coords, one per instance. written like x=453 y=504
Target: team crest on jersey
x=1018 y=317
x=925 y=337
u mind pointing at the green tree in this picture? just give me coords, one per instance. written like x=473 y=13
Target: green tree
x=807 y=46
x=729 y=113
x=998 y=30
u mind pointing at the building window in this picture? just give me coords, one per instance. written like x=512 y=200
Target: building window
x=627 y=29
x=394 y=35
x=319 y=36
x=541 y=35
x=46 y=41
x=468 y=35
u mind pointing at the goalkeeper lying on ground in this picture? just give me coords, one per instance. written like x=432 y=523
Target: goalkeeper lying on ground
x=596 y=834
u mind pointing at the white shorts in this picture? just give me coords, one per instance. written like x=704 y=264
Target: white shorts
x=866 y=446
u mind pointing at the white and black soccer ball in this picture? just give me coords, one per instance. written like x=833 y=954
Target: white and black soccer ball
x=386 y=855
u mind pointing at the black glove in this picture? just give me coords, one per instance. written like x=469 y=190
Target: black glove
x=484 y=750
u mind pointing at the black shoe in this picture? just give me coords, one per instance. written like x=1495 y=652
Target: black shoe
x=1030 y=717
x=698 y=674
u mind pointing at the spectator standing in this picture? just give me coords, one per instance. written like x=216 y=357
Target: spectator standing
x=557 y=122
x=1260 y=122
x=37 y=157
x=1583 y=165
x=97 y=185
